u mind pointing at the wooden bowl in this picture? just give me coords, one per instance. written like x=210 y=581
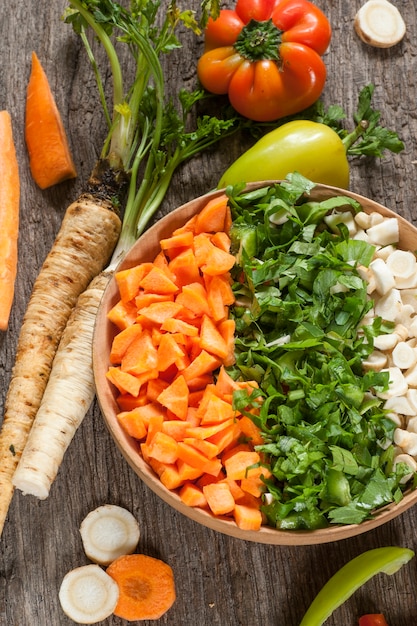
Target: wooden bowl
x=145 y=249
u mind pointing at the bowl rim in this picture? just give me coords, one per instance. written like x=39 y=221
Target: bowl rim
x=130 y=448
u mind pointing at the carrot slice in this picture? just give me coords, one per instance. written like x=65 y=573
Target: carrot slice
x=211 y=339
x=169 y=352
x=141 y=355
x=237 y=465
x=125 y=382
x=128 y=281
x=175 y=397
x=122 y=314
x=132 y=423
x=156 y=281
x=159 y=312
x=50 y=158
x=194 y=297
x=202 y=364
x=163 y=448
x=9 y=217
x=185 y=268
x=146 y=587
x=212 y=217
x=122 y=341
x=192 y=495
x=219 y=498
x=247 y=517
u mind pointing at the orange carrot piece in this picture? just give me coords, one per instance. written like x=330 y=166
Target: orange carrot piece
x=202 y=364
x=9 y=217
x=126 y=402
x=155 y=387
x=194 y=297
x=211 y=218
x=253 y=485
x=122 y=315
x=237 y=464
x=211 y=339
x=206 y=432
x=193 y=457
x=122 y=341
x=180 y=326
x=219 y=498
x=132 y=424
x=221 y=240
x=251 y=431
x=125 y=383
x=169 y=352
x=202 y=248
x=141 y=355
x=146 y=587
x=247 y=517
x=188 y=472
x=159 y=312
x=156 y=281
x=226 y=437
x=143 y=300
x=148 y=411
x=163 y=448
x=235 y=489
x=216 y=411
x=175 y=397
x=154 y=426
x=128 y=280
x=225 y=384
x=192 y=495
x=209 y=449
x=175 y=428
x=185 y=268
x=227 y=331
x=50 y=157
x=189 y=225
x=179 y=240
x=170 y=476
x=217 y=262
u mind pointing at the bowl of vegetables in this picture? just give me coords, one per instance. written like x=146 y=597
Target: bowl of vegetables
x=255 y=360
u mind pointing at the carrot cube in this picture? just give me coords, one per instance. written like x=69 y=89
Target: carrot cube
x=163 y=448
x=175 y=397
x=192 y=495
x=237 y=465
x=219 y=498
x=247 y=518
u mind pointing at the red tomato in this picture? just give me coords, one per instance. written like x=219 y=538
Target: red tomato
x=374 y=619
x=266 y=55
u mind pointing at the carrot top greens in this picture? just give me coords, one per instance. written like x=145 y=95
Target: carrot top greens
x=299 y=302
x=149 y=136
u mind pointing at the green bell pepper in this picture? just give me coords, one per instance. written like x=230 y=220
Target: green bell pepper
x=352 y=576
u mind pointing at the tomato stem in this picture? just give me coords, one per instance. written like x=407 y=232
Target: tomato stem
x=259 y=40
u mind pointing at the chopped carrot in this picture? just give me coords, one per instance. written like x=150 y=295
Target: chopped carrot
x=179 y=240
x=180 y=326
x=128 y=280
x=156 y=281
x=209 y=449
x=217 y=262
x=122 y=341
x=219 y=498
x=211 y=339
x=175 y=397
x=192 y=495
x=141 y=355
x=143 y=300
x=9 y=217
x=225 y=384
x=188 y=472
x=175 y=428
x=125 y=383
x=185 y=268
x=202 y=364
x=159 y=312
x=146 y=587
x=126 y=402
x=206 y=432
x=154 y=388
x=247 y=517
x=226 y=437
x=194 y=297
x=132 y=423
x=49 y=153
x=251 y=431
x=227 y=331
x=216 y=411
x=212 y=217
x=163 y=448
x=154 y=426
x=170 y=477
x=193 y=457
x=169 y=352
x=237 y=465
x=221 y=240
x=122 y=315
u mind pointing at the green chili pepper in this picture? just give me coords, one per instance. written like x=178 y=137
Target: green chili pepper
x=310 y=148
x=352 y=576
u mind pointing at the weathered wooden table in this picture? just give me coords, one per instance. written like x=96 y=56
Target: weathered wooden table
x=219 y=580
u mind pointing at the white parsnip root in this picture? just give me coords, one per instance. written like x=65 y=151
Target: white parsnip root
x=108 y=532
x=81 y=250
x=379 y=23
x=88 y=594
x=72 y=382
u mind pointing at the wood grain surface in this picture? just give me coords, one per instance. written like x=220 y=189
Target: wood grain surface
x=220 y=581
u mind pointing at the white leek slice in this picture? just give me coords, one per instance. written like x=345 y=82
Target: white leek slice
x=108 y=532
x=88 y=595
x=379 y=23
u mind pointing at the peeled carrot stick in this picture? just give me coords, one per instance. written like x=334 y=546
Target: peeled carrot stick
x=57 y=424
x=9 y=217
x=49 y=153
x=87 y=236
